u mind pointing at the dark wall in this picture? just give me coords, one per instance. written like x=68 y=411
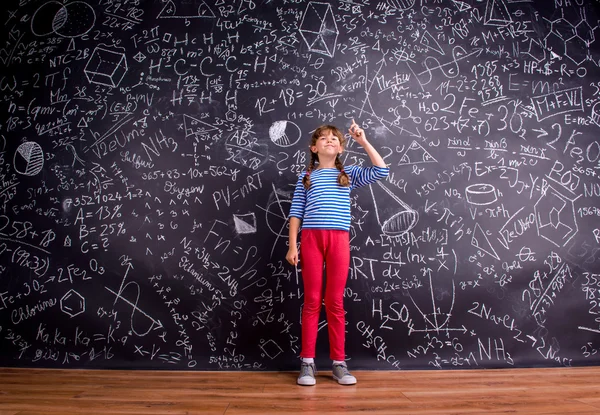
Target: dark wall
x=150 y=151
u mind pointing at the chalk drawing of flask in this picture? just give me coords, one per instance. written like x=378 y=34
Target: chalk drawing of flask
x=400 y=221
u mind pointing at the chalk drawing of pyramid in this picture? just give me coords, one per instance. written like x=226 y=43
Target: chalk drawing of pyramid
x=186 y=11
x=416 y=154
x=496 y=13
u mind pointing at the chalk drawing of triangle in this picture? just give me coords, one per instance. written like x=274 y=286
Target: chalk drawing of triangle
x=416 y=154
x=428 y=40
x=496 y=13
x=194 y=126
x=243 y=223
x=461 y=5
x=481 y=242
x=190 y=12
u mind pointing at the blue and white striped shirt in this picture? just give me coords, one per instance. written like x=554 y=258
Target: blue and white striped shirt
x=326 y=204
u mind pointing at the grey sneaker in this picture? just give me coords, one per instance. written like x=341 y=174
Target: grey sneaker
x=307 y=374
x=342 y=375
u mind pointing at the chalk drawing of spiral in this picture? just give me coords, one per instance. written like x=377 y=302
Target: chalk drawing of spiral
x=284 y=133
x=29 y=159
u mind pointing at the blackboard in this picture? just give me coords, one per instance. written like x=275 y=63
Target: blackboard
x=149 y=151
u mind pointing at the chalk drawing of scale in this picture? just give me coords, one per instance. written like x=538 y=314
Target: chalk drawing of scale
x=395 y=225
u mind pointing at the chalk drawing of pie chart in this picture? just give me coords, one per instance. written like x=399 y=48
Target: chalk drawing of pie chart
x=29 y=159
x=284 y=133
x=68 y=20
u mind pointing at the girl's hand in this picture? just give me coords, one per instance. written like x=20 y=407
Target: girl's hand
x=292 y=255
x=357 y=133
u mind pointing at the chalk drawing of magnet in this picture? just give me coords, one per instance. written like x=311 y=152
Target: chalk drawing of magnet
x=481 y=194
x=596 y=114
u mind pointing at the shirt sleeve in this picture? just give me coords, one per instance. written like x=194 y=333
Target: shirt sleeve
x=362 y=176
x=299 y=199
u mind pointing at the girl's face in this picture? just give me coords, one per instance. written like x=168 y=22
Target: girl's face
x=327 y=144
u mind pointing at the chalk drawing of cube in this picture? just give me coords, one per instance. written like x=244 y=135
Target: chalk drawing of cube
x=318 y=28
x=106 y=67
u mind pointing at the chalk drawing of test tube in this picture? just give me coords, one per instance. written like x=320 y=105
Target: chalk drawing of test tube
x=399 y=222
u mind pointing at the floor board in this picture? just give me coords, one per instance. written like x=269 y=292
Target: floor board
x=477 y=392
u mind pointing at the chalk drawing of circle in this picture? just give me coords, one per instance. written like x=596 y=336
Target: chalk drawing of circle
x=481 y=194
x=67 y=20
x=400 y=223
x=29 y=159
x=284 y=133
x=277 y=222
x=44 y=21
x=74 y=19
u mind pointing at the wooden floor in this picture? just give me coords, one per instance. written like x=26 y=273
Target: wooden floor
x=501 y=391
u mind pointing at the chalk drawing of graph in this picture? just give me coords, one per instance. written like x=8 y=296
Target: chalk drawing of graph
x=435 y=321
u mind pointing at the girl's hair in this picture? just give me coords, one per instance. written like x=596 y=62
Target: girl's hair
x=343 y=179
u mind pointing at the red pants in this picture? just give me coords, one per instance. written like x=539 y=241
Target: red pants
x=332 y=248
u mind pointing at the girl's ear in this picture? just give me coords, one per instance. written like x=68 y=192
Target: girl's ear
x=313 y=149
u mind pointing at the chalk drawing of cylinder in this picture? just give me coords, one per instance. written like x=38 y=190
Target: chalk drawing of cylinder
x=481 y=194
x=399 y=222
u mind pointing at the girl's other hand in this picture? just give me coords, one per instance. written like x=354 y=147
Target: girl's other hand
x=292 y=255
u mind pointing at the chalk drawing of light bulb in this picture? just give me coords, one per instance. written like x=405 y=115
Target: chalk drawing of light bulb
x=399 y=221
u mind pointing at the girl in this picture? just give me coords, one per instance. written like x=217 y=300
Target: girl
x=321 y=204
